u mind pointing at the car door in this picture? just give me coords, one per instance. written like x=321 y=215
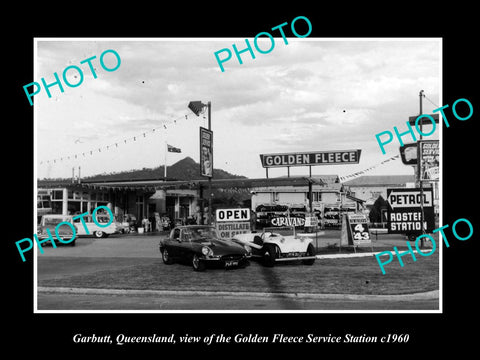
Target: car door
x=173 y=242
x=184 y=247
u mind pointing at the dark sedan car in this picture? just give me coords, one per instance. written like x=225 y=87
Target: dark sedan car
x=199 y=245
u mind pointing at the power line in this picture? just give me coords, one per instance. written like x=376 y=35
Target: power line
x=358 y=173
x=114 y=145
x=425 y=96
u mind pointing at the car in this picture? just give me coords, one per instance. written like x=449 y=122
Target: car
x=178 y=222
x=122 y=228
x=128 y=223
x=50 y=222
x=266 y=212
x=200 y=245
x=94 y=229
x=165 y=222
x=271 y=247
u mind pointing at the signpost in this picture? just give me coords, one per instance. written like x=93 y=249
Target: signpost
x=426 y=119
x=206 y=156
x=311 y=221
x=405 y=210
x=206 y=152
x=409 y=153
x=355 y=231
x=232 y=221
x=426 y=161
x=429 y=160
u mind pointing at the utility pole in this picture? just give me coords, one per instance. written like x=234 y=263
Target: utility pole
x=419 y=169
x=165 y=163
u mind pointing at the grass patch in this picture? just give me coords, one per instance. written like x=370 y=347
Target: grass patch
x=360 y=275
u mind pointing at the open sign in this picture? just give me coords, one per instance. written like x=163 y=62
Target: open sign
x=233 y=214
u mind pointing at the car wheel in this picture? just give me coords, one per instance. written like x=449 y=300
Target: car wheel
x=98 y=234
x=412 y=237
x=166 y=257
x=269 y=255
x=197 y=264
x=73 y=243
x=310 y=252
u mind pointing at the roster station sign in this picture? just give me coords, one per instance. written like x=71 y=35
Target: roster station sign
x=405 y=210
x=311 y=158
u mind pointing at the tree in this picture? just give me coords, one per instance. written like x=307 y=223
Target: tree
x=375 y=214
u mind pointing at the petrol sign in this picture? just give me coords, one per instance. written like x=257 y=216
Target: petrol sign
x=405 y=210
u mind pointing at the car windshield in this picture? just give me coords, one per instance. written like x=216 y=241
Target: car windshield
x=103 y=219
x=200 y=233
x=53 y=221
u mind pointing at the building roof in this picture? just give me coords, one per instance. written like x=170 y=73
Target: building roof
x=327 y=179
x=380 y=180
x=152 y=185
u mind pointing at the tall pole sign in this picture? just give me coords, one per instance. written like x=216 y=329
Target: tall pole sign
x=428 y=160
x=206 y=151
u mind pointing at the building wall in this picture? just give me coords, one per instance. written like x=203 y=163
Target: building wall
x=175 y=203
x=369 y=193
x=71 y=201
x=294 y=196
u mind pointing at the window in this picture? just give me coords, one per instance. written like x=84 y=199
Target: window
x=139 y=206
x=316 y=196
x=57 y=194
x=176 y=234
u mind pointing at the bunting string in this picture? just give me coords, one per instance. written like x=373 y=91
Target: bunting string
x=114 y=145
x=359 y=173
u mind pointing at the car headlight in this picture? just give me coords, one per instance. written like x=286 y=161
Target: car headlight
x=247 y=248
x=207 y=251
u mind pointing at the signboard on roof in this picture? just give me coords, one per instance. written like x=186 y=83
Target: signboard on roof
x=311 y=158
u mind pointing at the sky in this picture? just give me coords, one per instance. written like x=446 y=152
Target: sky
x=313 y=94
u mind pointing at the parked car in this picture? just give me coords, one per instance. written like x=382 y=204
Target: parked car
x=50 y=222
x=178 y=222
x=271 y=247
x=266 y=212
x=94 y=229
x=122 y=227
x=200 y=245
x=166 y=222
x=128 y=223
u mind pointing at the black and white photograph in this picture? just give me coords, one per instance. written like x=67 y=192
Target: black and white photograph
x=274 y=182
x=295 y=141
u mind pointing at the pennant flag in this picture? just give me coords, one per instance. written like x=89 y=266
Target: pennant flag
x=117 y=144
x=342 y=178
x=173 y=149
